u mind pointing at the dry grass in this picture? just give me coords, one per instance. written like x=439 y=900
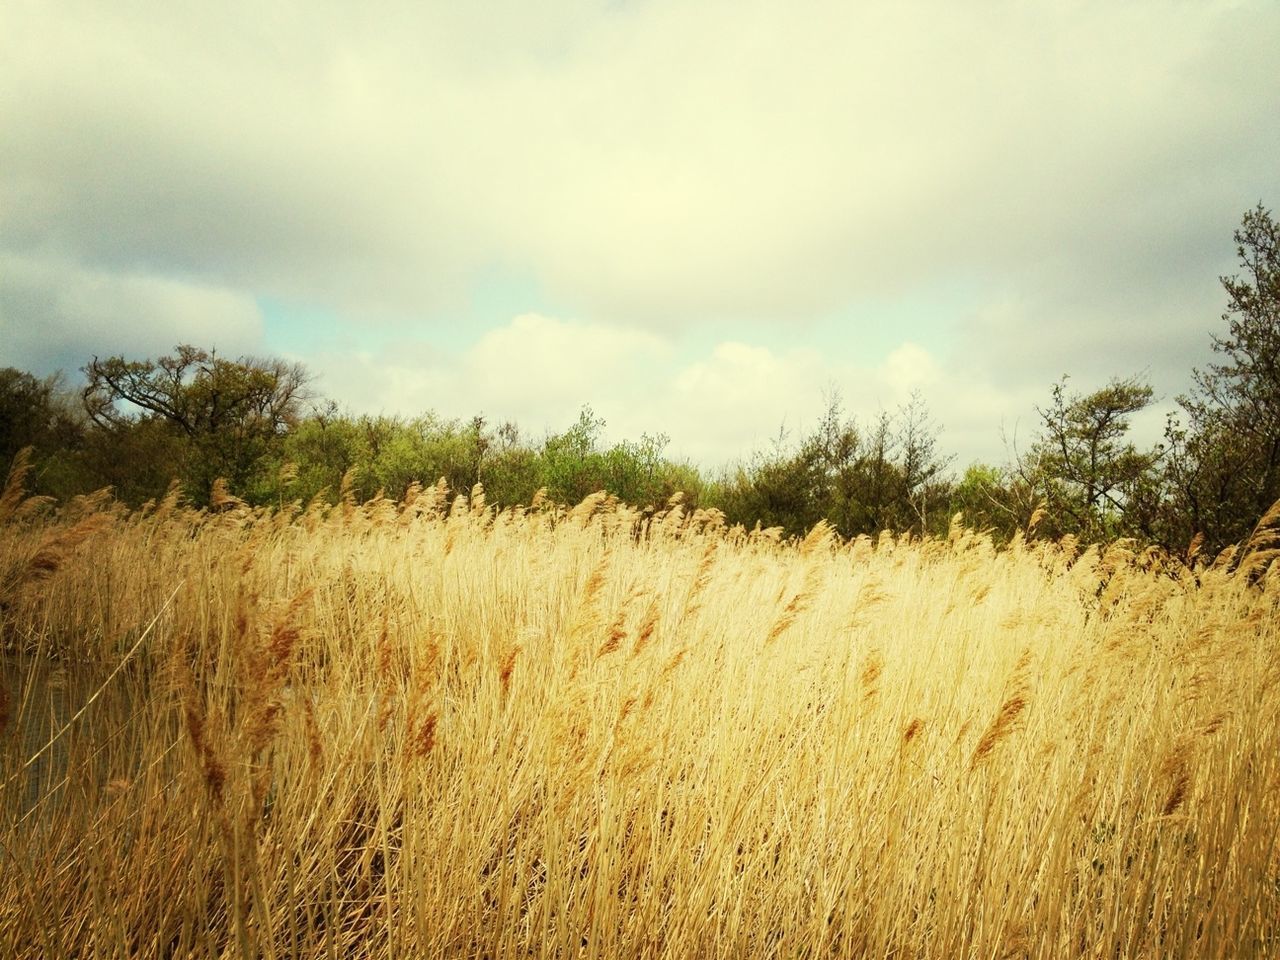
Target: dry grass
x=425 y=729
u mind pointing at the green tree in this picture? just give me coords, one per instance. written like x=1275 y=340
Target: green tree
x=572 y=466
x=636 y=471
x=424 y=449
x=512 y=470
x=228 y=415
x=35 y=412
x=138 y=459
x=1090 y=477
x=575 y=463
x=322 y=448
x=887 y=477
x=1224 y=468
x=989 y=499
x=779 y=489
x=923 y=488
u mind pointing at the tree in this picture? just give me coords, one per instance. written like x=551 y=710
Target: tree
x=575 y=463
x=228 y=414
x=1224 y=469
x=636 y=472
x=921 y=464
x=988 y=498
x=887 y=477
x=883 y=478
x=512 y=469
x=572 y=466
x=780 y=489
x=1089 y=476
x=322 y=448
x=35 y=412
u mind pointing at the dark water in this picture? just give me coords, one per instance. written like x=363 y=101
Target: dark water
x=43 y=699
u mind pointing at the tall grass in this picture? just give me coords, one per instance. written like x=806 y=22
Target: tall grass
x=427 y=729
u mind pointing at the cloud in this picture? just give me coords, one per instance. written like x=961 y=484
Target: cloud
x=658 y=163
x=696 y=182
x=741 y=397
x=540 y=371
x=536 y=370
x=716 y=406
x=910 y=367
x=57 y=315
x=560 y=363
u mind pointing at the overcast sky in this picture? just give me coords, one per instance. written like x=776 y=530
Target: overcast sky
x=698 y=217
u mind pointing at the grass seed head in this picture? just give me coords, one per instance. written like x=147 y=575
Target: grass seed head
x=999 y=729
x=645 y=630
x=507 y=666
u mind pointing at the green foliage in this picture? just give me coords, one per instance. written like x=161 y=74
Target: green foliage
x=387 y=454
x=226 y=417
x=138 y=460
x=571 y=464
x=778 y=490
x=1224 y=469
x=423 y=450
x=320 y=450
x=197 y=416
x=989 y=498
x=574 y=464
x=35 y=412
x=512 y=474
x=381 y=454
x=887 y=477
x=1091 y=479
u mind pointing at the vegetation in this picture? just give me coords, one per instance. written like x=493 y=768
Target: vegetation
x=1083 y=468
x=887 y=477
x=253 y=423
x=1225 y=463
x=369 y=687
x=224 y=417
x=36 y=413
x=428 y=728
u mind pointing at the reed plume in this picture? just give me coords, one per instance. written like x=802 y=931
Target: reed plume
x=1000 y=728
x=15 y=483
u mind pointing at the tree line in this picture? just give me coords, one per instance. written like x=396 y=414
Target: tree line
x=255 y=424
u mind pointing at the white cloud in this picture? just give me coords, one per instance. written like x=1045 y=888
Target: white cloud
x=559 y=363
x=739 y=397
x=716 y=407
x=910 y=367
x=536 y=370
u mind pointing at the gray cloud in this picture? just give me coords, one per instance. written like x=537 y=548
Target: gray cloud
x=57 y=315
x=650 y=165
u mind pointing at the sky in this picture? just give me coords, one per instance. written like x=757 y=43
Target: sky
x=701 y=218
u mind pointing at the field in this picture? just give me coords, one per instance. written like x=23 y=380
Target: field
x=430 y=729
